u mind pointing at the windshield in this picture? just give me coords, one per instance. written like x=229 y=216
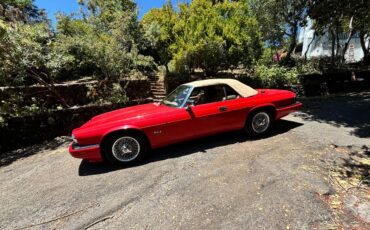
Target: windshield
x=177 y=97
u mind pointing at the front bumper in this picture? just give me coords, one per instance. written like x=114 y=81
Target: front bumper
x=283 y=111
x=90 y=152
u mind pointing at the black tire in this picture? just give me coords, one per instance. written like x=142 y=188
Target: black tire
x=252 y=128
x=116 y=157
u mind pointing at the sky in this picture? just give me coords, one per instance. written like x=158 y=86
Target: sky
x=70 y=6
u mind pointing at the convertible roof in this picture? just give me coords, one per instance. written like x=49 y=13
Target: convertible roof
x=243 y=90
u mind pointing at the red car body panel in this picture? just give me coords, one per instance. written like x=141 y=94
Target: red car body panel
x=164 y=125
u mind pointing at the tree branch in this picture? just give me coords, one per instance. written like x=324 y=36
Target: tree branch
x=351 y=32
x=309 y=45
x=51 y=87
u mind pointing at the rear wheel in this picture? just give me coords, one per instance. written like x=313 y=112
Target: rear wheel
x=124 y=149
x=259 y=123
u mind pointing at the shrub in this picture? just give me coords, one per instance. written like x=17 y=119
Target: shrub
x=310 y=67
x=276 y=76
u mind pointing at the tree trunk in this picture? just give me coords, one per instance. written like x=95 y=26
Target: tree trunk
x=337 y=32
x=332 y=47
x=167 y=69
x=293 y=42
x=344 y=50
x=350 y=35
x=51 y=88
x=363 y=43
x=308 y=47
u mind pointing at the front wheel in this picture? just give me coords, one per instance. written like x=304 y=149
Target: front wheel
x=123 y=149
x=259 y=123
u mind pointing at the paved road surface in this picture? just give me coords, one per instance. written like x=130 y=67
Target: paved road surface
x=223 y=182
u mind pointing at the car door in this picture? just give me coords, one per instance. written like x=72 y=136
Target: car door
x=237 y=109
x=214 y=111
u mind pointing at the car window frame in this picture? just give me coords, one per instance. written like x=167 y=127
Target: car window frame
x=186 y=98
x=237 y=94
x=223 y=90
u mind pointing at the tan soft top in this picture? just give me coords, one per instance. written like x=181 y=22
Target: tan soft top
x=240 y=88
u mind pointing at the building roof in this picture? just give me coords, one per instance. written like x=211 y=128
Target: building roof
x=242 y=89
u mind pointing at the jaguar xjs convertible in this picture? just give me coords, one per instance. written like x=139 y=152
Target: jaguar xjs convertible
x=192 y=110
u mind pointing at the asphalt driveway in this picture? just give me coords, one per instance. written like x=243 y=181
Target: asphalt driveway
x=228 y=181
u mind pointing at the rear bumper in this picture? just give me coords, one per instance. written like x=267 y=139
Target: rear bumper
x=283 y=111
x=90 y=153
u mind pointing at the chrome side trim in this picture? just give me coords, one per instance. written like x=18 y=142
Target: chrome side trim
x=77 y=147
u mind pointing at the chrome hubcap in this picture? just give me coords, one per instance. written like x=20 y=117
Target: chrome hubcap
x=260 y=122
x=126 y=149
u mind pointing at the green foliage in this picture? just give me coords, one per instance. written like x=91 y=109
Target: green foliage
x=21 y=10
x=25 y=50
x=2 y=121
x=158 y=27
x=267 y=57
x=347 y=16
x=107 y=40
x=107 y=93
x=281 y=19
x=18 y=3
x=115 y=32
x=210 y=35
x=276 y=76
x=18 y=105
x=272 y=25
x=311 y=67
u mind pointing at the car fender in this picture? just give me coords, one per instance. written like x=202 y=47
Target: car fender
x=262 y=106
x=121 y=128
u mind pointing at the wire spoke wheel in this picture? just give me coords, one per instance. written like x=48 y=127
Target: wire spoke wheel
x=260 y=122
x=126 y=149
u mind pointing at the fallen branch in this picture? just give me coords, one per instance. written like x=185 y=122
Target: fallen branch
x=335 y=180
x=358 y=186
x=56 y=218
x=98 y=221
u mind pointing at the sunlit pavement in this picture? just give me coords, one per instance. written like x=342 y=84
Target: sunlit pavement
x=228 y=181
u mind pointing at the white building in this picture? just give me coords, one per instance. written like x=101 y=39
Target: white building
x=321 y=45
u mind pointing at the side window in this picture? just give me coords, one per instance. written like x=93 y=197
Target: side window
x=209 y=94
x=230 y=93
x=215 y=93
x=197 y=97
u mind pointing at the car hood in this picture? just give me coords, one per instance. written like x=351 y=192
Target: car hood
x=130 y=113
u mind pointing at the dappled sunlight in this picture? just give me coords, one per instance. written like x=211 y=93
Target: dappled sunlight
x=349 y=110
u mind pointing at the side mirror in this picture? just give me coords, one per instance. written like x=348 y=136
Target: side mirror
x=189 y=104
x=231 y=97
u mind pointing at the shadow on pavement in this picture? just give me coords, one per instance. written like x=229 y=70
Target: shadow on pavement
x=357 y=165
x=350 y=110
x=187 y=148
x=9 y=157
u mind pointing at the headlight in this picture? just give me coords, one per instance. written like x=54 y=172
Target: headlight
x=74 y=139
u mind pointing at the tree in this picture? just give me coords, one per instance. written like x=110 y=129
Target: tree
x=280 y=19
x=158 y=25
x=348 y=16
x=25 y=52
x=271 y=24
x=362 y=25
x=21 y=10
x=25 y=46
x=107 y=36
x=215 y=36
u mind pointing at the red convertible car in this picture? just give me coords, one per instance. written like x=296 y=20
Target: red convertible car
x=192 y=110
